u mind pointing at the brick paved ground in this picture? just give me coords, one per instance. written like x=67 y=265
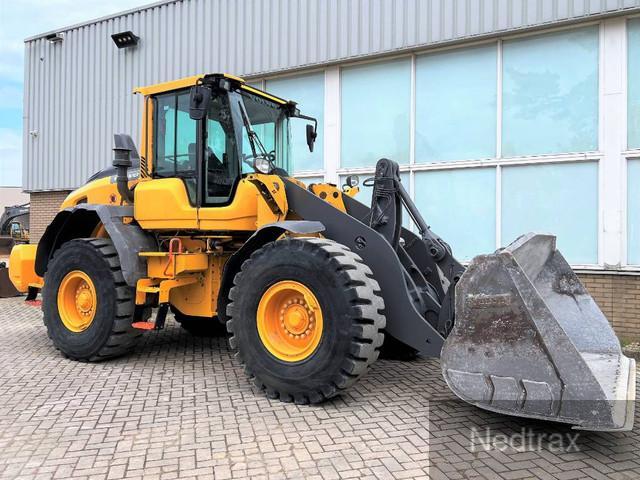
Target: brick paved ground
x=180 y=407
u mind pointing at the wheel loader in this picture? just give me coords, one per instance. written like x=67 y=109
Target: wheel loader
x=310 y=284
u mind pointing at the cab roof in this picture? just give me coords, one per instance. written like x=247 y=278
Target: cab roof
x=193 y=80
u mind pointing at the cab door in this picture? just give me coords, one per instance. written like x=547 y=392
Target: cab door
x=229 y=202
x=168 y=200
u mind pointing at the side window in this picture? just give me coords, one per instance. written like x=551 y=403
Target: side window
x=221 y=159
x=175 y=137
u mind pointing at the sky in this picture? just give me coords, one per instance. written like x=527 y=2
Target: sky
x=20 y=19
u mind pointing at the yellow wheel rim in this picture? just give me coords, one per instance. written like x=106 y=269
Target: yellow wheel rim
x=289 y=321
x=77 y=301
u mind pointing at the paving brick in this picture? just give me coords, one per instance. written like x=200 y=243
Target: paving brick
x=180 y=407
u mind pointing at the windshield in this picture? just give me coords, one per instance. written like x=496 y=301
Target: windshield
x=265 y=131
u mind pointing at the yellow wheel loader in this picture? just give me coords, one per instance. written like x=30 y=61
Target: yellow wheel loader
x=310 y=283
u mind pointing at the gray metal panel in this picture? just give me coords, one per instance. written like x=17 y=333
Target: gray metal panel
x=78 y=91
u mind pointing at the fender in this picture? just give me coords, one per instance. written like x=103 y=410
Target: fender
x=265 y=234
x=80 y=221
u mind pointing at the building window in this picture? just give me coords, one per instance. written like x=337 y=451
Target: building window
x=460 y=206
x=633 y=212
x=633 y=83
x=491 y=106
x=375 y=108
x=308 y=92
x=561 y=199
x=456 y=108
x=550 y=93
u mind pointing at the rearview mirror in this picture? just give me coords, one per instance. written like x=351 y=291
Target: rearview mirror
x=199 y=101
x=311 y=136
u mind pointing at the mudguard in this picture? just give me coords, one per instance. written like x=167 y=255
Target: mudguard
x=80 y=221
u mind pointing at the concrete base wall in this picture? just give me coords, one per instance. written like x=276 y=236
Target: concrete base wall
x=44 y=206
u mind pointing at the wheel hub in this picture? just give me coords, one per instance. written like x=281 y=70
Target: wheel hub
x=289 y=321
x=297 y=318
x=84 y=301
x=77 y=301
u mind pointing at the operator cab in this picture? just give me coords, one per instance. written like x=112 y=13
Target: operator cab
x=217 y=131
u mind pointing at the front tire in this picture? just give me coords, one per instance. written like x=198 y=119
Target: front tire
x=88 y=307
x=306 y=318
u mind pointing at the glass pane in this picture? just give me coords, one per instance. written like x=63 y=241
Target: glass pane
x=165 y=131
x=560 y=199
x=456 y=105
x=550 y=93
x=175 y=136
x=221 y=160
x=266 y=134
x=375 y=113
x=186 y=137
x=633 y=209
x=309 y=180
x=633 y=76
x=308 y=92
x=460 y=206
x=263 y=117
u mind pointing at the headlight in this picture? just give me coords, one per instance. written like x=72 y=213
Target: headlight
x=262 y=165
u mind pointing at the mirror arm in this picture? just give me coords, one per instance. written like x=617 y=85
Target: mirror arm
x=311 y=119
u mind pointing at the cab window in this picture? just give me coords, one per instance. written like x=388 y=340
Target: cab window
x=175 y=140
x=222 y=166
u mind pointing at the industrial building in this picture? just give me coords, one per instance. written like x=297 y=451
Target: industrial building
x=505 y=116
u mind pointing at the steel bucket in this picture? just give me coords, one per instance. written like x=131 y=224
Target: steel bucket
x=529 y=341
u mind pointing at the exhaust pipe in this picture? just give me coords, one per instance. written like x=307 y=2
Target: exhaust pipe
x=122 y=163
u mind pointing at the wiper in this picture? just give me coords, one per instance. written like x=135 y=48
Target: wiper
x=254 y=139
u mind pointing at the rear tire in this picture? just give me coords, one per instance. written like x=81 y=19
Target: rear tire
x=200 y=326
x=351 y=323
x=109 y=334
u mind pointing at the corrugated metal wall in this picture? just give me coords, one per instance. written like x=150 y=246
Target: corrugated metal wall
x=78 y=91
